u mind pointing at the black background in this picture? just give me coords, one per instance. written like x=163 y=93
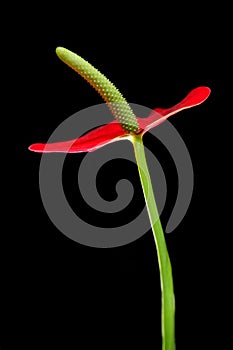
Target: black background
x=56 y=293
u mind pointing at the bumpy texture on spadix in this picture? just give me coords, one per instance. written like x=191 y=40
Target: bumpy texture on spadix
x=111 y=95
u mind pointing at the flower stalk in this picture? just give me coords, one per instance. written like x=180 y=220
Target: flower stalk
x=166 y=280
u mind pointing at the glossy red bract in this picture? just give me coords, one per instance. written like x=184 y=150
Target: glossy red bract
x=113 y=131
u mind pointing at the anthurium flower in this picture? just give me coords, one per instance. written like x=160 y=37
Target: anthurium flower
x=128 y=126
x=113 y=131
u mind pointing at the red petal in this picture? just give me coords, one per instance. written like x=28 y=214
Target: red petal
x=113 y=131
x=159 y=115
x=90 y=142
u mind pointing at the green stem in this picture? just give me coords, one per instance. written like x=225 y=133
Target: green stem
x=168 y=300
